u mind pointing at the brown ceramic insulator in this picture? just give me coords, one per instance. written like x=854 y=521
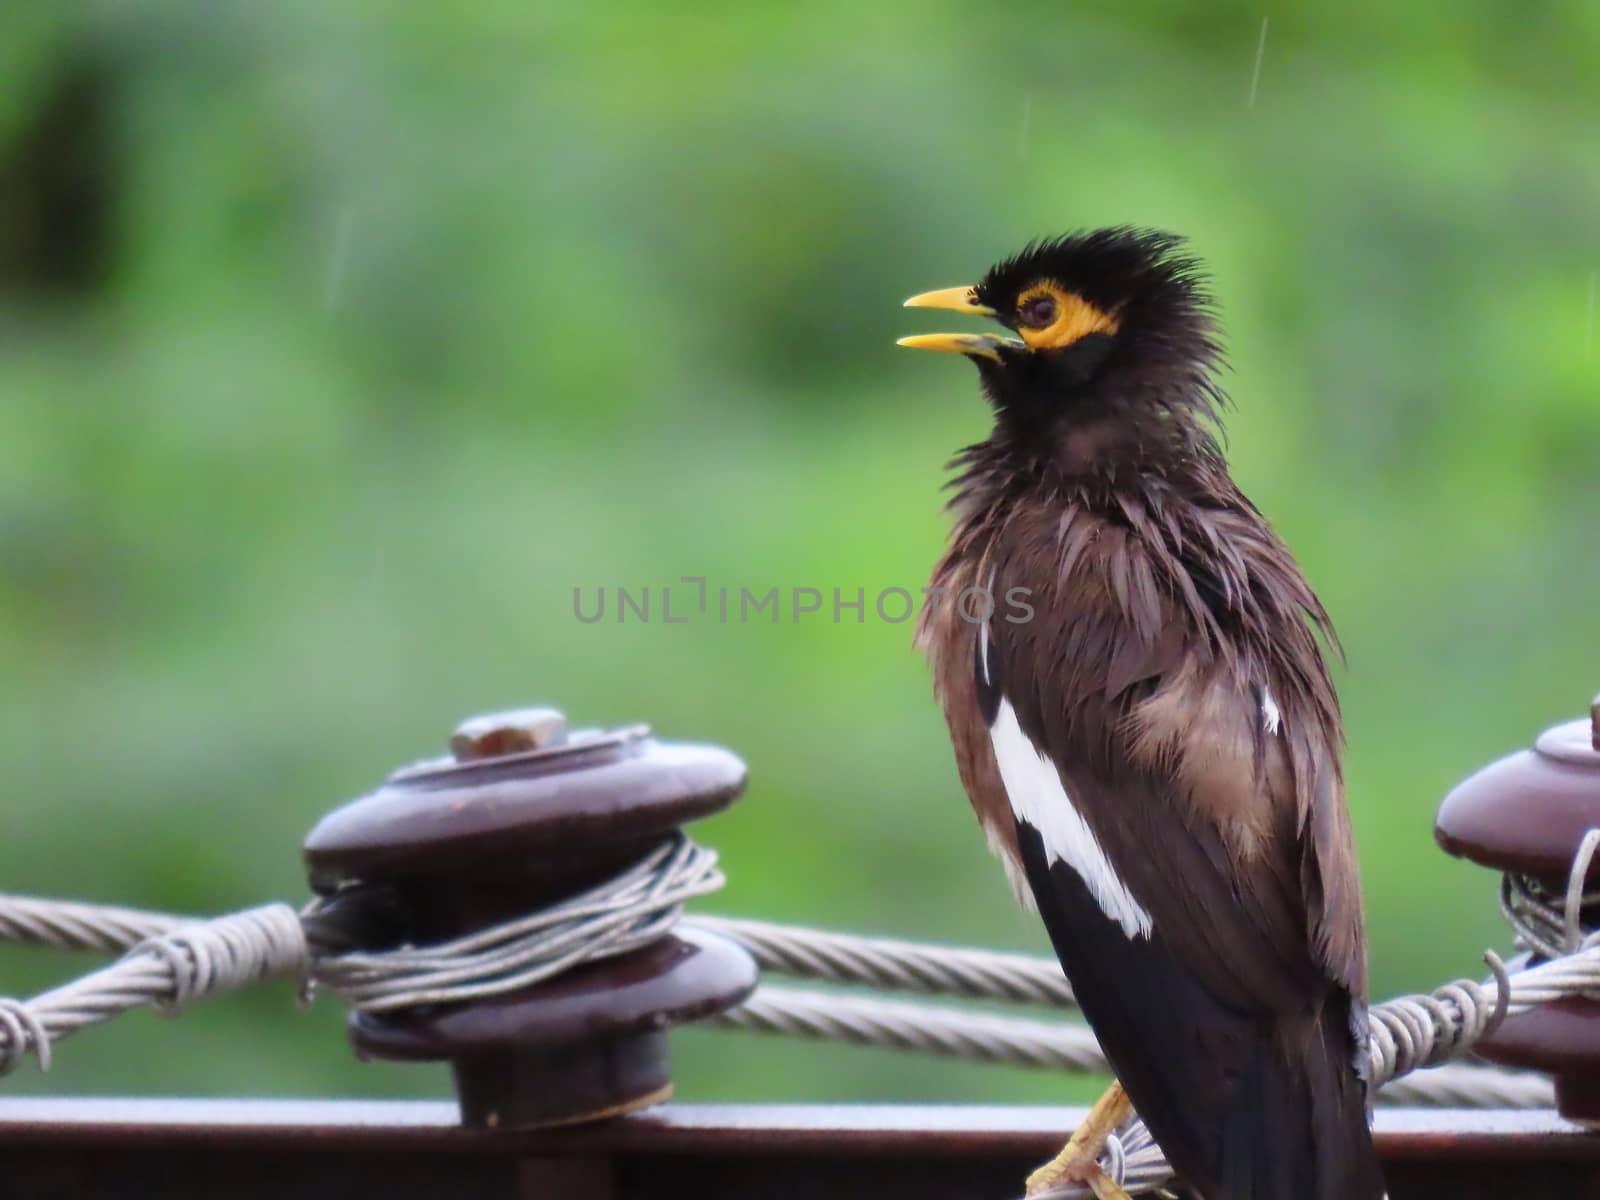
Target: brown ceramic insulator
x=1527 y=814
x=599 y=1028
x=524 y=815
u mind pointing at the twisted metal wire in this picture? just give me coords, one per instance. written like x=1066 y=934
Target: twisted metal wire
x=165 y=971
x=1467 y=1085
x=636 y=908
x=1409 y=1032
x=908 y=1025
x=68 y=925
x=1052 y=1045
x=1131 y=1159
x=1405 y=1033
x=897 y=965
x=1546 y=924
x=170 y=961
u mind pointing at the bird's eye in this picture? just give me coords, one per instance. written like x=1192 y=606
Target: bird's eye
x=1038 y=312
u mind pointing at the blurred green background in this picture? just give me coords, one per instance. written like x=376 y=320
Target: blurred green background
x=338 y=347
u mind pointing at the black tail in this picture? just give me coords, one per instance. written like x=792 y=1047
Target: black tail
x=1299 y=1125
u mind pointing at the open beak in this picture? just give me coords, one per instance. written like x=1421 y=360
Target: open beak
x=975 y=345
x=957 y=299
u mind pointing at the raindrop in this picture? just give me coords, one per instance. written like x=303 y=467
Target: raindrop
x=1588 y=320
x=1255 y=75
x=333 y=281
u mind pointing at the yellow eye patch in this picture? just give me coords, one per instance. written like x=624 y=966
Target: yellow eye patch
x=1050 y=317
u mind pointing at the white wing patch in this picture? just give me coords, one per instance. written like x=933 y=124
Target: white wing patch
x=1271 y=718
x=1037 y=797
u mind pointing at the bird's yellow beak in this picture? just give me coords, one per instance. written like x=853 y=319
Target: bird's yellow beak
x=984 y=345
x=957 y=299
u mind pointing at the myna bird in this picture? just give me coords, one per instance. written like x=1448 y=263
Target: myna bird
x=1132 y=668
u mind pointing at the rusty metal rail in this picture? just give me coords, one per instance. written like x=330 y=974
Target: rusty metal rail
x=319 y=1150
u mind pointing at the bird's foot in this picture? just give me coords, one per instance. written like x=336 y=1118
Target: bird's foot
x=1047 y=1180
x=1078 y=1161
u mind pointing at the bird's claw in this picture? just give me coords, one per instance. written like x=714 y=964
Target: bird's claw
x=1070 y=1184
x=1061 y=1179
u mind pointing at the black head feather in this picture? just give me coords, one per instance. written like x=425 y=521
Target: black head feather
x=1139 y=383
x=1143 y=276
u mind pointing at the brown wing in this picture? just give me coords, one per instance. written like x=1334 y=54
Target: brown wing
x=1201 y=830
x=1182 y=665
x=1283 y=640
x=951 y=646
x=1113 y=633
x=1235 y=1021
